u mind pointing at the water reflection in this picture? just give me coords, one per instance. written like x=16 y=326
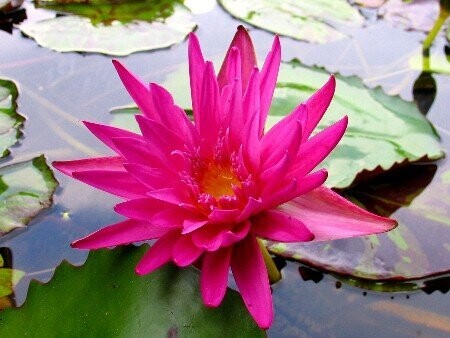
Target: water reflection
x=11 y=17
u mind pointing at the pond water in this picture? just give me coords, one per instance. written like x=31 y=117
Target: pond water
x=58 y=90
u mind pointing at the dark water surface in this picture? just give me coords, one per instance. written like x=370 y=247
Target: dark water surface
x=58 y=90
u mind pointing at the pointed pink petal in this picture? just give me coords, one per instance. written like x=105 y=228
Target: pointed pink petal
x=159 y=254
x=196 y=68
x=100 y=163
x=185 y=252
x=329 y=216
x=136 y=88
x=317 y=105
x=157 y=212
x=270 y=179
x=314 y=151
x=170 y=195
x=236 y=234
x=125 y=232
x=141 y=152
x=269 y=74
x=287 y=142
x=106 y=133
x=214 y=276
x=207 y=237
x=243 y=42
x=171 y=116
x=233 y=111
x=253 y=205
x=190 y=225
x=119 y=183
x=279 y=226
x=154 y=178
x=210 y=119
x=251 y=278
x=223 y=215
x=234 y=69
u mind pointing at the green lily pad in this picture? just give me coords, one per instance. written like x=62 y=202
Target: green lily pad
x=417 y=248
x=113 y=29
x=104 y=298
x=383 y=130
x=8 y=280
x=316 y=21
x=26 y=188
x=11 y=122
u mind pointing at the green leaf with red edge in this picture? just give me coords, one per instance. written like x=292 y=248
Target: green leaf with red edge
x=104 y=298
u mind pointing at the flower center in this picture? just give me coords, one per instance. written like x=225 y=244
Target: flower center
x=218 y=181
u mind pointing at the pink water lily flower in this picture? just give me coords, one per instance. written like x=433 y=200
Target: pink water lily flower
x=209 y=190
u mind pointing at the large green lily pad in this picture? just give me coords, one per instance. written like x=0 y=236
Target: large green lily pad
x=11 y=122
x=384 y=131
x=104 y=298
x=417 y=248
x=314 y=20
x=111 y=28
x=26 y=188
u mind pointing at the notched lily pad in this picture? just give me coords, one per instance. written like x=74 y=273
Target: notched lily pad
x=26 y=188
x=417 y=248
x=112 y=28
x=11 y=122
x=384 y=131
x=314 y=20
x=104 y=298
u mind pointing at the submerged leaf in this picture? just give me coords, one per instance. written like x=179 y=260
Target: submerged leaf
x=11 y=122
x=313 y=21
x=105 y=34
x=121 y=304
x=26 y=188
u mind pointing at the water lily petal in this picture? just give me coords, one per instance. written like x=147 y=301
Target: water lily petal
x=196 y=68
x=279 y=226
x=251 y=278
x=269 y=74
x=157 y=212
x=159 y=254
x=107 y=163
x=140 y=152
x=154 y=178
x=329 y=216
x=214 y=276
x=119 y=183
x=125 y=232
x=243 y=42
x=138 y=90
x=314 y=151
x=106 y=133
x=317 y=105
x=185 y=252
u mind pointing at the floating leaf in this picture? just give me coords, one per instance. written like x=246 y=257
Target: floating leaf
x=8 y=279
x=313 y=21
x=105 y=298
x=369 y=3
x=383 y=131
x=10 y=121
x=412 y=15
x=25 y=189
x=415 y=249
x=102 y=35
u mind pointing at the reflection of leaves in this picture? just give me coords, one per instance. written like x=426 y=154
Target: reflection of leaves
x=415 y=249
x=424 y=91
x=312 y=20
x=10 y=121
x=383 y=131
x=8 y=5
x=104 y=298
x=8 y=278
x=25 y=189
x=114 y=39
x=107 y=11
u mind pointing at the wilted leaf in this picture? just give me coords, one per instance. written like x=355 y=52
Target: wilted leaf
x=25 y=189
x=8 y=280
x=10 y=121
x=105 y=298
x=313 y=20
x=105 y=34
